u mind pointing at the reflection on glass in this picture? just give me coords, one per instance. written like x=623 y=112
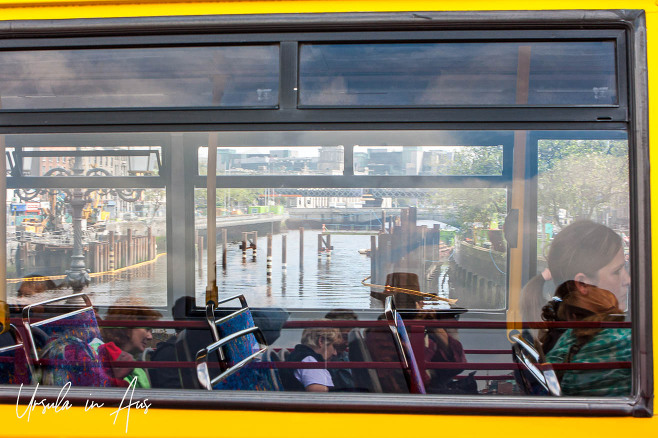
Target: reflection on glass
x=428 y=160
x=139 y=77
x=412 y=74
x=582 y=179
x=91 y=161
x=339 y=253
x=304 y=160
x=435 y=234
x=110 y=245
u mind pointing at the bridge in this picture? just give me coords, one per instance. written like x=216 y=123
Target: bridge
x=356 y=193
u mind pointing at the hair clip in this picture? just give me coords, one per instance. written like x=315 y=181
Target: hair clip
x=557 y=299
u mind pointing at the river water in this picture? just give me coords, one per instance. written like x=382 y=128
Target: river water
x=321 y=283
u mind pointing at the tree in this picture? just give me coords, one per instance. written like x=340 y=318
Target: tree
x=227 y=198
x=468 y=206
x=156 y=199
x=583 y=183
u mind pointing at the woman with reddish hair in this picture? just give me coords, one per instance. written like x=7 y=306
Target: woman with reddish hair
x=586 y=261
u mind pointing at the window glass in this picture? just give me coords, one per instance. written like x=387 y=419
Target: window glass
x=245 y=160
x=582 y=179
x=86 y=161
x=428 y=74
x=123 y=244
x=227 y=76
x=360 y=224
x=428 y=160
x=454 y=255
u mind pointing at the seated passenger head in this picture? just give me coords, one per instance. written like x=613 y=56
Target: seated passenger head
x=402 y=286
x=580 y=301
x=342 y=315
x=322 y=339
x=591 y=254
x=34 y=284
x=131 y=340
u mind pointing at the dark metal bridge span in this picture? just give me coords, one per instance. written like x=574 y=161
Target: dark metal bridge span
x=355 y=193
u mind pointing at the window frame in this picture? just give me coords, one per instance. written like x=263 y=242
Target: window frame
x=631 y=115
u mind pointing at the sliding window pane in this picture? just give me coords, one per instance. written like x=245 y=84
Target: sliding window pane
x=435 y=74
x=227 y=76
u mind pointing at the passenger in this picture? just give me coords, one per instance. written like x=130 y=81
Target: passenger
x=317 y=344
x=381 y=347
x=586 y=260
x=34 y=284
x=166 y=351
x=440 y=345
x=342 y=377
x=132 y=341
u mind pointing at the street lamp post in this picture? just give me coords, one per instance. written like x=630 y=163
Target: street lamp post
x=78 y=276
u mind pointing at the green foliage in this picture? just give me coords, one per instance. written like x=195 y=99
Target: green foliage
x=228 y=198
x=477 y=160
x=468 y=206
x=582 y=177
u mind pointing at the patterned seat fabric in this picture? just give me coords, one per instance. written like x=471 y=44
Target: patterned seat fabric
x=82 y=325
x=69 y=359
x=251 y=376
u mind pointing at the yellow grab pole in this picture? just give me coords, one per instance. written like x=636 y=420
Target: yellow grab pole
x=514 y=321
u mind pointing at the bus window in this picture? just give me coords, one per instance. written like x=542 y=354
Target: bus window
x=141 y=77
x=366 y=215
x=409 y=74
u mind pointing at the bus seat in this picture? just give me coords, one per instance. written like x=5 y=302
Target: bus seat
x=365 y=380
x=237 y=372
x=67 y=355
x=273 y=356
x=237 y=342
x=15 y=367
x=188 y=343
x=535 y=377
x=403 y=345
x=80 y=323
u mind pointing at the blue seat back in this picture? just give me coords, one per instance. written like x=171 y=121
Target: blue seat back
x=247 y=376
x=80 y=323
x=69 y=359
x=67 y=355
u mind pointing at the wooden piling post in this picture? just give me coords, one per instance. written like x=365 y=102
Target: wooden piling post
x=329 y=247
x=199 y=249
x=269 y=257
x=244 y=247
x=126 y=252
x=301 y=247
x=111 y=245
x=97 y=257
x=320 y=246
x=373 y=259
x=284 y=252
x=150 y=254
x=224 y=247
x=130 y=247
x=254 y=246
